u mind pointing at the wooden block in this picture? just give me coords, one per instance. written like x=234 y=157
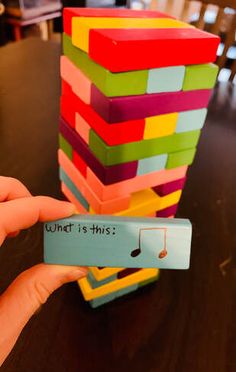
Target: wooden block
x=82 y=127
x=68 y=170
x=107 y=175
x=95 y=284
x=82 y=26
x=79 y=163
x=112 y=155
x=200 y=76
x=149 y=281
x=72 y=198
x=138 y=107
x=177 y=159
x=65 y=146
x=173 y=47
x=168 y=187
x=167 y=212
x=190 y=120
x=152 y=164
x=105 y=272
x=105 y=192
x=166 y=79
x=118 y=133
x=69 y=13
x=72 y=187
x=160 y=125
x=80 y=84
x=122 y=242
x=112 y=85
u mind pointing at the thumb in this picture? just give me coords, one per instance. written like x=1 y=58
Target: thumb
x=26 y=294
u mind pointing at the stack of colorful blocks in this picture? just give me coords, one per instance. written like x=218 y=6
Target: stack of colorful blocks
x=135 y=91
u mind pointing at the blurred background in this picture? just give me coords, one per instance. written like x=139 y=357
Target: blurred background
x=42 y=18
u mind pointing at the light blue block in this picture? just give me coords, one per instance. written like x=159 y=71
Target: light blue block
x=102 y=300
x=166 y=79
x=93 y=240
x=67 y=181
x=127 y=290
x=152 y=164
x=191 y=120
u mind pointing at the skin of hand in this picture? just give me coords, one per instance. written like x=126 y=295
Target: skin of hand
x=24 y=296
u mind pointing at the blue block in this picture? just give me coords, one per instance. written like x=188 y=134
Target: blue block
x=191 y=120
x=167 y=79
x=92 y=240
x=152 y=164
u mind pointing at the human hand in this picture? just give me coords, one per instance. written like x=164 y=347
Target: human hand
x=20 y=210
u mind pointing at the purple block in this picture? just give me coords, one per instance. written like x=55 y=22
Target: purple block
x=118 y=109
x=107 y=174
x=167 y=212
x=170 y=187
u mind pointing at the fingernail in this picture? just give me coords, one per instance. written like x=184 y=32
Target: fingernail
x=78 y=274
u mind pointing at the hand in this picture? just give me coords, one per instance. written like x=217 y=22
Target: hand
x=20 y=210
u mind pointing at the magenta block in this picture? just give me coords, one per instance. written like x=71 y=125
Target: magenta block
x=167 y=212
x=119 y=109
x=170 y=187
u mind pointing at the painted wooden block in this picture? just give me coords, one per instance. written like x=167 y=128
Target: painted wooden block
x=122 y=242
x=135 y=184
x=65 y=146
x=112 y=155
x=167 y=212
x=149 y=281
x=69 y=13
x=152 y=164
x=104 y=272
x=80 y=84
x=79 y=163
x=72 y=198
x=95 y=284
x=138 y=107
x=166 y=79
x=176 y=47
x=190 y=120
x=72 y=187
x=160 y=125
x=81 y=27
x=167 y=188
x=200 y=76
x=118 y=133
x=176 y=159
x=112 y=85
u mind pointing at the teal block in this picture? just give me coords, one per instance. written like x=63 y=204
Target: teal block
x=129 y=289
x=112 y=241
x=111 y=84
x=177 y=159
x=152 y=164
x=67 y=181
x=102 y=300
x=111 y=155
x=167 y=79
x=200 y=76
x=191 y=120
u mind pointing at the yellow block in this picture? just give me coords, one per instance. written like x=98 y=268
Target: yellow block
x=90 y=293
x=105 y=272
x=82 y=25
x=171 y=199
x=160 y=126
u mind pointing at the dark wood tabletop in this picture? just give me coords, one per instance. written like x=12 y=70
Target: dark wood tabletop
x=187 y=320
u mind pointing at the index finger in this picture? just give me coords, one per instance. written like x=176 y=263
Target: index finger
x=11 y=188
x=22 y=213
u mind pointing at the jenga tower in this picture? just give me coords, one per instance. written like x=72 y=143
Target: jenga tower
x=135 y=91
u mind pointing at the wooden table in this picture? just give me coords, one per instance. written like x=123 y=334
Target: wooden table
x=185 y=322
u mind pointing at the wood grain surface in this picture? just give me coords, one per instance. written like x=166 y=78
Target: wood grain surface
x=185 y=322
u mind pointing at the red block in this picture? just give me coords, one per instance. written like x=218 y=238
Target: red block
x=136 y=49
x=112 y=134
x=79 y=163
x=68 y=13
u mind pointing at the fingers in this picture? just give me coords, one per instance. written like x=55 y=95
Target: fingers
x=26 y=294
x=21 y=213
x=11 y=188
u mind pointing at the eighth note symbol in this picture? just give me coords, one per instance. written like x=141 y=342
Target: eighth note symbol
x=137 y=251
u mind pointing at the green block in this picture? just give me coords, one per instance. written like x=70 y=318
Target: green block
x=110 y=84
x=200 y=76
x=111 y=155
x=180 y=158
x=65 y=146
x=149 y=281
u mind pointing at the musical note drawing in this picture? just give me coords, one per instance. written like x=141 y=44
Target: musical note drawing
x=163 y=252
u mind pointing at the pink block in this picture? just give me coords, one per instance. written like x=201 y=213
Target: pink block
x=72 y=199
x=80 y=84
x=82 y=127
x=115 y=190
x=100 y=207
